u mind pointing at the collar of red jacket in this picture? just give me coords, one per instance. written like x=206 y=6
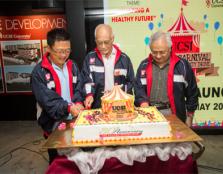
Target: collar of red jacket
x=46 y=62
x=117 y=56
x=173 y=58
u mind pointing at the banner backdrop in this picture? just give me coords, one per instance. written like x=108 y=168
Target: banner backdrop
x=22 y=43
x=197 y=34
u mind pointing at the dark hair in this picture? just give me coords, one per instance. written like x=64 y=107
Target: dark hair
x=57 y=34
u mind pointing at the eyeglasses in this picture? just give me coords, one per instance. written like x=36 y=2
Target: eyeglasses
x=105 y=42
x=162 y=53
x=62 y=51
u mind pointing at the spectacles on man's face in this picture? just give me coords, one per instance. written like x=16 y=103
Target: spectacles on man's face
x=62 y=51
x=161 y=53
x=105 y=42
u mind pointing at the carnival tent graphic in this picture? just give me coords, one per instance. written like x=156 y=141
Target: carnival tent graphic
x=185 y=38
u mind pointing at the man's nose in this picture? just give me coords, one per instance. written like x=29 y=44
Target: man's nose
x=158 y=55
x=103 y=45
x=63 y=54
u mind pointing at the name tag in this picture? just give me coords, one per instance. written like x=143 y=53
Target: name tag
x=143 y=81
x=99 y=69
x=50 y=85
x=74 y=79
x=88 y=87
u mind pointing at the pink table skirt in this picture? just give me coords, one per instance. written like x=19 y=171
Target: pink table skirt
x=62 y=165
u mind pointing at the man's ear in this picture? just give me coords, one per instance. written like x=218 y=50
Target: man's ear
x=170 y=50
x=48 y=49
x=113 y=38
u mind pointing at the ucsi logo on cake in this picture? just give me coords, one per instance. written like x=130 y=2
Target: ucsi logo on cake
x=118 y=108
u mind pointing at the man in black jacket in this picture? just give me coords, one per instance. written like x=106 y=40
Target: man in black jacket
x=56 y=84
x=166 y=81
x=105 y=67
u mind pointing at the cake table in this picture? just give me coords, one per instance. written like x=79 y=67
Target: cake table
x=61 y=139
x=180 y=132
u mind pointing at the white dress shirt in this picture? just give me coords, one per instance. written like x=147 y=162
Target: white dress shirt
x=109 y=64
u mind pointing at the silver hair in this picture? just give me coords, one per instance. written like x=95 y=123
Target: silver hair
x=100 y=25
x=155 y=36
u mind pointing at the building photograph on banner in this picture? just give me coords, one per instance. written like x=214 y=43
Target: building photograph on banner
x=21 y=52
x=19 y=58
x=18 y=78
x=196 y=29
x=22 y=39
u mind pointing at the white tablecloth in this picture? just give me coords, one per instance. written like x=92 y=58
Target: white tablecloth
x=91 y=161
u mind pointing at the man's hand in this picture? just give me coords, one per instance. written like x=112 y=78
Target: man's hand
x=106 y=92
x=144 y=105
x=88 y=102
x=75 y=109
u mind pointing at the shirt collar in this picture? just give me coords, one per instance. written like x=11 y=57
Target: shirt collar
x=167 y=64
x=57 y=67
x=113 y=53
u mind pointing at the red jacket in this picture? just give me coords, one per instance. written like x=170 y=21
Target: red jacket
x=47 y=90
x=181 y=84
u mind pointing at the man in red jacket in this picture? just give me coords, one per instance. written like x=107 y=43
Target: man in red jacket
x=56 y=84
x=166 y=81
x=105 y=67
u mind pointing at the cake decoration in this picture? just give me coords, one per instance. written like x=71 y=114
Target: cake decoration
x=118 y=105
x=118 y=121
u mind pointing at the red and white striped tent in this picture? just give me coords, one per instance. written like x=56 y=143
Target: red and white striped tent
x=185 y=38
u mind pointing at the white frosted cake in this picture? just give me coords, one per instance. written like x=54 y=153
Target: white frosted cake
x=93 y=126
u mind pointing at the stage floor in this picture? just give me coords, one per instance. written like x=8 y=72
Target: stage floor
x=24 y=140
